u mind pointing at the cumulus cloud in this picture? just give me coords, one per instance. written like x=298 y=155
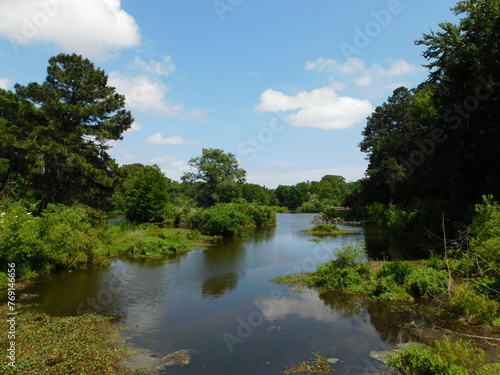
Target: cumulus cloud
x=159 y=139
x=162 y=68
x=321 y=108
x=173 y=167
x=356 y=70
x=93 y=28
x=144 y=94
x=135 y=127
x=4 y=83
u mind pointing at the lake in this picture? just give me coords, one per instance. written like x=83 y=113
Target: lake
x=221 y=304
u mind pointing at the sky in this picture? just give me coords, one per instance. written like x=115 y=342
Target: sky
x=284 y=85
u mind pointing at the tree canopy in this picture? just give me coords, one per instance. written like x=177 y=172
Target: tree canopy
x=60 y=129
x=220 y=173
x=434 y=149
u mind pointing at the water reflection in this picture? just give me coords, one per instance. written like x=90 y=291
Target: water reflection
x=218 y=285
x=190 y=301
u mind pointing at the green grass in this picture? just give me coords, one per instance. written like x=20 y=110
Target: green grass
x=442 y=357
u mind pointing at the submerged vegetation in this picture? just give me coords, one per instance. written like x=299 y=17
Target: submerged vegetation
x=86 y=344
x=319 y=365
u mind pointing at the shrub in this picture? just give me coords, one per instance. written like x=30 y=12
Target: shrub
x=399 y=271
x=351 y=254
x=442 y=357
x=224 y=219
x=332 y=275
x=474 y=307
x=427 y=282
x=348 y=271
x=62 y=237
x=388 y=289
x=193 y=235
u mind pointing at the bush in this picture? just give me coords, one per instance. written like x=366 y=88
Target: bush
x=333 y=275
x=474 y=307
x=62 y=237
x=348 y=271
x=442 y=357
x=388 y=289
x=427 y=282
x=397 y=270
x=224 y=219
x=351 y=254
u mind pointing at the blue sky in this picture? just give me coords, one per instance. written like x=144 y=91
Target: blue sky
x=285 y=85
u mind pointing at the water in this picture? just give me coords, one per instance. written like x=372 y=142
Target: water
x=221 y=304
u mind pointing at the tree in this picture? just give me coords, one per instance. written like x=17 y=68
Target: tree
x=148 y=195
x=463 y=62
x=81 y=113
x=217 y=171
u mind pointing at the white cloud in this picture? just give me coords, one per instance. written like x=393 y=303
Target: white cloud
x=173 y=167
x=93 y=28
x=4 y=83
x=321 y=108
x=158 y=139
x=197 y=114
x=355 y=70
x=144 y=94
x=135 y=127
x=163 y=68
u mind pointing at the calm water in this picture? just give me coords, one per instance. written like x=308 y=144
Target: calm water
x=221 y=304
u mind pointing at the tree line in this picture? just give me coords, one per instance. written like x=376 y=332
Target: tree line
x=433 y=150
x=54 y=149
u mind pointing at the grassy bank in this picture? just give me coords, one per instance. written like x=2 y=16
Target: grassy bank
x=439 y=280
x=70 y=238
x=404 y=281
x=88 y=344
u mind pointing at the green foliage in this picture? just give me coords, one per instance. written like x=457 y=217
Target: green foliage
x=85 y=344
x=230 y=219
x=485 y=243
x=388 y=289
x=474 y=307
x=315 y=196
x=224 y=219
x=427 y=282
x=348 y=271
x=430 y=153
x=442 y=357
x=60 y=130
x=399 y=271
x=219 y=174
x=63 y=237
x=148 y=195
x=377 y=212
x=351 y=254
x=332 y=275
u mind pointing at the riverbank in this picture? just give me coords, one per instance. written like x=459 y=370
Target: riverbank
x=89 y=344
x=425 y=287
